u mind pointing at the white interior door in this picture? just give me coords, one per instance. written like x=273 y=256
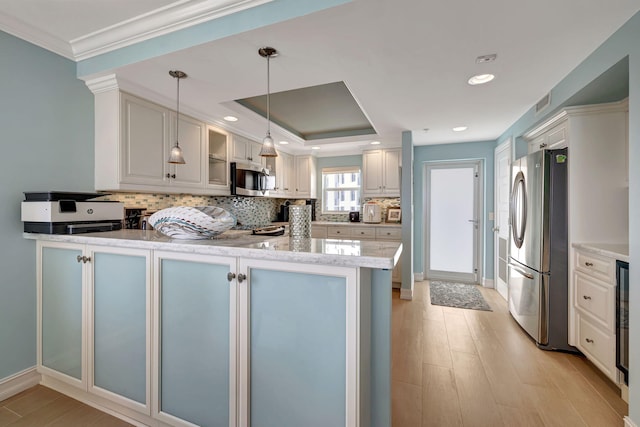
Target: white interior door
x=501 y=216
x=453 y=220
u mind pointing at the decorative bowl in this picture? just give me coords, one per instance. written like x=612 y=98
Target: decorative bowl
x=192 y=222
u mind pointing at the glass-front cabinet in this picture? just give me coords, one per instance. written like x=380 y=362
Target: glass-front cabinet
x=218 y=156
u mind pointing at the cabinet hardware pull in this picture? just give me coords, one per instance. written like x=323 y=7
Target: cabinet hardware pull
x=589 y=340
x=588 y=264
x=79 y=258
x=231 y=276
x=86 y=259
x=586 y=297
x=241 y=277
x=543 y=145
x=171 y=175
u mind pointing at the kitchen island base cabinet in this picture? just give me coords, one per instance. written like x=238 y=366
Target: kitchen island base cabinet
x=182 y=338
x=195 y=340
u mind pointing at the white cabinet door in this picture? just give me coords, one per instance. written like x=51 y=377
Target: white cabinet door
x=145 y=142
x=244 y=150
x=305 y=177
x=217 y=160
x=287 y=173
x=391 y=173
x=372 y=173
x=191 y=138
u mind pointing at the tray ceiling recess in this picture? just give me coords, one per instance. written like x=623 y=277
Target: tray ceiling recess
x=316 y=112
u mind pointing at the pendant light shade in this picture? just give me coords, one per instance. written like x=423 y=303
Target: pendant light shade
x=268 y=147
x=175 y=156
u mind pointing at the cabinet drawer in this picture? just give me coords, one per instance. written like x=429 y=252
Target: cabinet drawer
x=363 y=233
x=338 y=231
x=599 y=267
x=388 y=233
x=598 y=346
x=595 y=298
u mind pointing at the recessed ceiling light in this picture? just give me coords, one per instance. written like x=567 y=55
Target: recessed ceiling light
x=481 y=79
x=459 y=128
x=284 y=142
x=231 y=118
x=375 y=142
x=315 y=147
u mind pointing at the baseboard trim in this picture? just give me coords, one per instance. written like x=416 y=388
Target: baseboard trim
x=628 y=422
x=406 y=294
x=488 y=283
x=101 y=403
x=10 y=386
x=418 y=277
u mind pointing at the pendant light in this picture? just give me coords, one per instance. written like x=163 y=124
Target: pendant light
x=175 y=156
x=268 y=148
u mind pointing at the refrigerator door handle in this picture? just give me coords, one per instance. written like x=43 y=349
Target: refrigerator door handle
x=522 y=272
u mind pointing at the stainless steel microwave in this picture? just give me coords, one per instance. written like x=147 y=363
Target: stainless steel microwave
x=250 y=180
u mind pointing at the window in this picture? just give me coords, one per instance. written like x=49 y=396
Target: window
x=340 y=189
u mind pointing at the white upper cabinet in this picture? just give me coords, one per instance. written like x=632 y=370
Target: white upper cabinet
x=217 y=155
x=192 y=141
x=283 y=169
x=244 y=150
x=381 y=173
x=144 y=142
x=133 y=138
x=306 y=184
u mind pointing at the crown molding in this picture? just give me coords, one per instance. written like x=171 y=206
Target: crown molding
x=35 y=36
x=176 y=16
x=102 y=84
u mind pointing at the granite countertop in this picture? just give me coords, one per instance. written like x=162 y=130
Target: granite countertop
x=611 y=250
x=241 y=243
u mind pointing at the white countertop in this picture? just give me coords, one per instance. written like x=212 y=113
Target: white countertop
x=611 y=250
x=337 y=252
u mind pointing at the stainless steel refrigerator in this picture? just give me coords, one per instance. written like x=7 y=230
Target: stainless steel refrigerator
x=538 y=256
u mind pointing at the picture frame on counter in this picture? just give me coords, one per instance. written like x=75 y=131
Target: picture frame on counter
x=394 y=215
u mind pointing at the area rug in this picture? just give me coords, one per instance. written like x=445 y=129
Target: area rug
x=460 y=295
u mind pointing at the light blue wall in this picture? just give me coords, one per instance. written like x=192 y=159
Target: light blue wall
x=47 y=144
x=464 y=151
x=624 y=42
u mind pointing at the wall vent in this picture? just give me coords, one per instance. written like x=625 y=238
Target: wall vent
x=543 y=103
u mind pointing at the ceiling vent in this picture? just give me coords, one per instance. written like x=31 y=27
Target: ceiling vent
x=543 y=103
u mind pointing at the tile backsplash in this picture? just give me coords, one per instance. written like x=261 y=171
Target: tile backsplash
x=250 y=212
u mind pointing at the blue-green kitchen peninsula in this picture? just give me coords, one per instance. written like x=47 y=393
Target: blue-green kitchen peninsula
x=235 y=331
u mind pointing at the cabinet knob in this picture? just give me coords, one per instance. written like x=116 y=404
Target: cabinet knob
x=171 y=175
x=543 y=145
x=588 y=264
x=589 y=340
x=79 y=258
x=586 y=297
x=231 y=276
x=83 y=259
x=241 y=277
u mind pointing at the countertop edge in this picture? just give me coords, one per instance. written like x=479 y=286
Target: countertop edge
x=619 y=252
x=267 y=251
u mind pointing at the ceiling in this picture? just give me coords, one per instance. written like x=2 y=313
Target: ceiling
x=404 y=62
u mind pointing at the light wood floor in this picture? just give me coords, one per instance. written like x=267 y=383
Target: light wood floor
x=457 y=367
x=40 y=406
